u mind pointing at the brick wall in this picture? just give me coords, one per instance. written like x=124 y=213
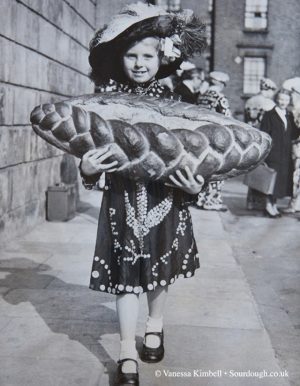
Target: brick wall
x=43 y=57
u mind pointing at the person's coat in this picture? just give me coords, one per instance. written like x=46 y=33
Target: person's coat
x=280 y=156
x=186 y=94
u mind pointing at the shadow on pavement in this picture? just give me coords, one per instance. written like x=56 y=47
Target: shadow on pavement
x=62 y=314
x=88 y=209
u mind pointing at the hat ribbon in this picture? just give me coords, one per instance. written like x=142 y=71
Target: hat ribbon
x=167 y=45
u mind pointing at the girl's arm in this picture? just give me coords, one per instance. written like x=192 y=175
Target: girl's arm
x=92 y=166
x=189 y=184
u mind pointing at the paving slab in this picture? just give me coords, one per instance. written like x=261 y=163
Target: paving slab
x=49 y=372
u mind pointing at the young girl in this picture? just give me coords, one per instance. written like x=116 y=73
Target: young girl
x=145 y=239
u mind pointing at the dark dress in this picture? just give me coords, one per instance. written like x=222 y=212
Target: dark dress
x=280 y=156
x=186 y=94
x=145 y=236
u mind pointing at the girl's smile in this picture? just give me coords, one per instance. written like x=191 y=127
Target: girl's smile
x=141 y=61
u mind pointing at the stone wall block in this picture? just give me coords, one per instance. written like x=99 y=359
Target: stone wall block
x=29 y=30
x=5 y=192
x=18 y=143
x=40 y=149
x=6 y=105
x=7 y=17
x=18 y=186
x=32 y=193
x=4 y=144
x=24 y=101
x=4 y=52
x=86 y=9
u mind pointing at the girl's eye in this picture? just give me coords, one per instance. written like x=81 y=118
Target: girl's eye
x=148 y=56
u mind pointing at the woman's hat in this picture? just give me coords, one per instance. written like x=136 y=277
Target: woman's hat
x=219 y=76
x=182 y=35
x=267 y=84
x=283 y=90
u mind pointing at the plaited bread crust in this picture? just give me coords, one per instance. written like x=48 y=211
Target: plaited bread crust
x=151 y=138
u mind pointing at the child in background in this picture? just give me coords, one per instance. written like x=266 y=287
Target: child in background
x=214 y=99
x=189 y=87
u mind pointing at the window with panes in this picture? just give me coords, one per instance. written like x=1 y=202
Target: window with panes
x=256 y=14
x=254 y=70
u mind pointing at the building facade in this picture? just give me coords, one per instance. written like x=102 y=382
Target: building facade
x=252 y=39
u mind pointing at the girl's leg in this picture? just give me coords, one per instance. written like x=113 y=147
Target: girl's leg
x=156 y=304
x=128 y=309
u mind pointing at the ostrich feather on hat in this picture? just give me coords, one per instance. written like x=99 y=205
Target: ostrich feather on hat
x=138 y=21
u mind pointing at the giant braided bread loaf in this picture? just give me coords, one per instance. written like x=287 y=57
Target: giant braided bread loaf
x=151 y=138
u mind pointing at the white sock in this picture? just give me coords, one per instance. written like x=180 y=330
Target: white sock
x=128 y=350
x=270 y=209
x=153 y=325
x=275 y=209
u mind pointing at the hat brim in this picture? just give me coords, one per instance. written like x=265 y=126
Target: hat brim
x=106 y=57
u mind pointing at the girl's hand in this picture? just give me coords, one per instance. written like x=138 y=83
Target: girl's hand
x=92 y=162
x=189 y=184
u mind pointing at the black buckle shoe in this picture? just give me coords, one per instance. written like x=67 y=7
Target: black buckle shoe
x=124 y=379
x=153 y=355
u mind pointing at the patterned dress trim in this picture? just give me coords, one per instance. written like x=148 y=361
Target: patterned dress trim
x=146 y=239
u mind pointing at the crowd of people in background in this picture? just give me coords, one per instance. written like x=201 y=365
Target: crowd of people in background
x=270 y=111
x=192 y=86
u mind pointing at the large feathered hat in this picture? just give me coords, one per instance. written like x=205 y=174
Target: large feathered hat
x=182 y=35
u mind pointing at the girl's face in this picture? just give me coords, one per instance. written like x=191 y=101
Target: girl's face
x=283 y=101
x=141 y=61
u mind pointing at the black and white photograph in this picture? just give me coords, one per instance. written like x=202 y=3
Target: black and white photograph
x=149 y=192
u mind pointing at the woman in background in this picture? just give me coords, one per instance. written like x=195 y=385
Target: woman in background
x=279 y=124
